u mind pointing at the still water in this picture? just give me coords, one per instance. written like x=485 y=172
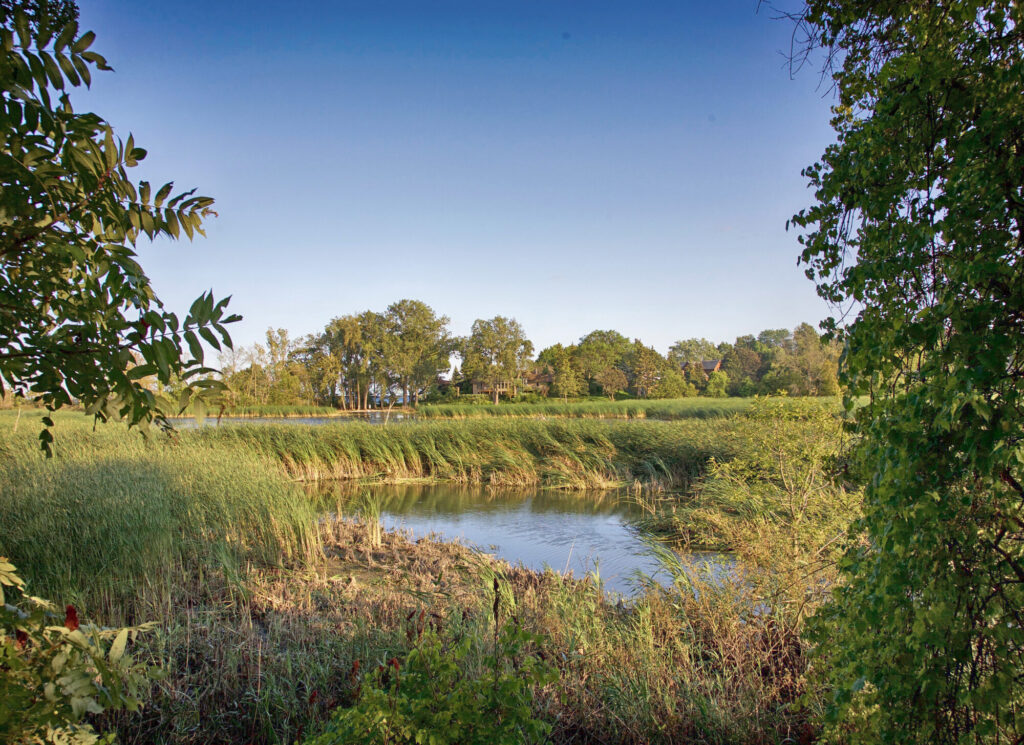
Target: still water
x=211 y=421
x=578 y=533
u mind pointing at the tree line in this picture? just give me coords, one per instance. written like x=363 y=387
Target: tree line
x=407 y=353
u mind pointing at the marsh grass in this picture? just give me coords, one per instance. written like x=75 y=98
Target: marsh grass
x=114 y=520
x=563 y=454
x=685 y=408
x=270 y=617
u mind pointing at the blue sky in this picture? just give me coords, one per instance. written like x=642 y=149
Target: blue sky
x=574 y=165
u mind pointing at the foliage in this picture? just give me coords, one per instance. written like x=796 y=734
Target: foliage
x=53 y=671
x=496 y=351
x=718 y=381
x=421 y=346
x=685 y=351
x=672 y=384
x=430 y=699
x=612 y=380
x=78 y=318
x=918 y=225
x=567 y=378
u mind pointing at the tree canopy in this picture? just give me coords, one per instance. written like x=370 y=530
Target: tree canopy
x=917 y=233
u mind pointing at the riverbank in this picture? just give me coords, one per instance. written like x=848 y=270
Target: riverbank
x=265 y=607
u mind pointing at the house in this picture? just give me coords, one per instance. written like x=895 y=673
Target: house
x=711 y=366
x=527 y=382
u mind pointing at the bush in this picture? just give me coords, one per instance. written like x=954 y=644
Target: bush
x=53 y=671
x=431 y=699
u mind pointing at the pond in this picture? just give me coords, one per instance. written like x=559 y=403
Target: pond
x=577 y=532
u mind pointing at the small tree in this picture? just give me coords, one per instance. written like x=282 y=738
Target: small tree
x=717 y=385
x=612 y=380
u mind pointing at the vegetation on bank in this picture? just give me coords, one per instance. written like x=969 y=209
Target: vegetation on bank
x=687 y=408
x=271 y=620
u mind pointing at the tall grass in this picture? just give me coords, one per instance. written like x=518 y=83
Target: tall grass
x=266 y=611
x=115 y=521
x=685 y=408
x=567 y=454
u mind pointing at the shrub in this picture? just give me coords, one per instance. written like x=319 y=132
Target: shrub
x=431 y=699
x=54 y=671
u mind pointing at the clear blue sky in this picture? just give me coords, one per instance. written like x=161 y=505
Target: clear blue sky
x=574 y=165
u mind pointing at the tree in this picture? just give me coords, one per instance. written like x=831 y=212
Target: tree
x=718 y=381
x=645 y=367
x=685 y=351
x=695 y=376
x=567 y=378
x=776 y=339
x=497 y=351
x=918 y=228
x=79 y=320
x=741 y=364
x=422 y=346
x=600 y=351
x=815 y=362
x=672 y=384
x=612 y=380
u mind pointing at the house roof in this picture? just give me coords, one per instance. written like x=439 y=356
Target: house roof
x=710 y=365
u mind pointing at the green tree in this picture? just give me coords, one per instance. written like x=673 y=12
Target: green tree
x=421 y=346
x=685 y=351
x=567 y=378
x=695 y=376
x=672 y=384
x=919 y=222
x=718 y=383
x=79 y=320
x=741 y=364
x=645 y=368
x=775 y=339
x=599 y=352
x=612 y=380
x=496 y=351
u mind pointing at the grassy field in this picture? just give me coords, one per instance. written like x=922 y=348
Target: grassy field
x=262 y=605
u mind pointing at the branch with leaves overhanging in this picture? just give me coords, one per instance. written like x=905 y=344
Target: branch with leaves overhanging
x=81 y=321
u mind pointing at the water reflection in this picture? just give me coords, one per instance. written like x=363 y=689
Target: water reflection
x=568 y=532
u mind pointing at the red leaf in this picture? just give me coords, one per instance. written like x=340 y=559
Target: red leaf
x=20 y=638
x=71 y=618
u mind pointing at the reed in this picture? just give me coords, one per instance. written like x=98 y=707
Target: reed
x=269 y=615
x=114 y=522
x=686 y=408
x=564 y=454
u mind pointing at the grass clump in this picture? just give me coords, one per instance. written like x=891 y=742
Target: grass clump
x=115 y=521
